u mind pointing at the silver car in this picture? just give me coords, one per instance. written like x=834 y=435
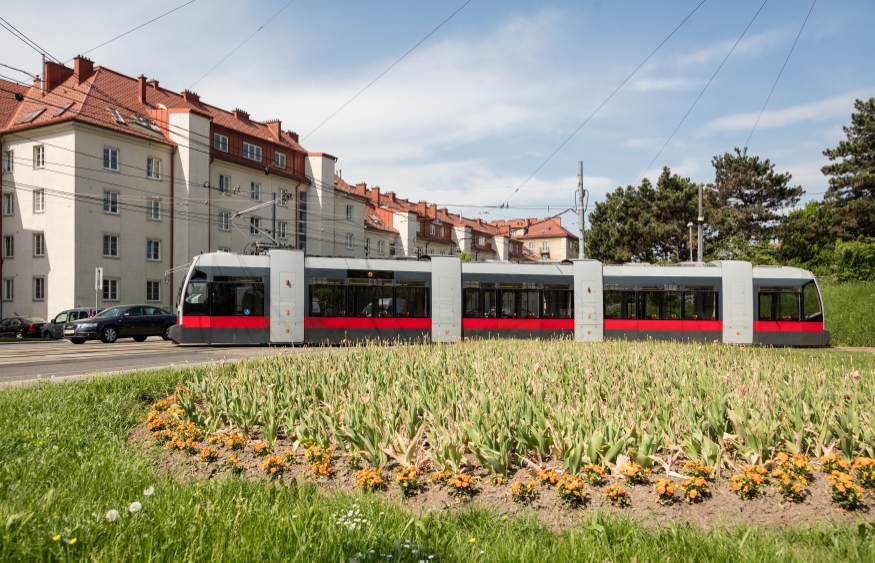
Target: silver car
x=55 y=327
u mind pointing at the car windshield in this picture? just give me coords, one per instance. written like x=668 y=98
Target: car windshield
x=114 y=312
x=34 y=320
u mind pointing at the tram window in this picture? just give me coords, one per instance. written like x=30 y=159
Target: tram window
x=411 y=302
x=620 y=305
x=480 y=301
x=557 y=303
x=328 y=300
x=672 y=303
x=780 y=304
x=371 y=301
x=656 y=305
x=518 y=303
x=811 y=303
x=241 y=299
x=197 y=300
x=700 y=305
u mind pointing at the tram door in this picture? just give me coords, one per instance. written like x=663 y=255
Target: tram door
x=286 y=296
x=737 y=302
x=588 y=301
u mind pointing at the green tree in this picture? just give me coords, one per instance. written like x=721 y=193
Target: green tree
x=745 y=205
x=465 y=257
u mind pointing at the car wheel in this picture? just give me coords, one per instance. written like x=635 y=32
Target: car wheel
x=48 y=335
x=166 y=335
x=139 y=338
x=109 y=335
x=19 y=334
x=77 y=340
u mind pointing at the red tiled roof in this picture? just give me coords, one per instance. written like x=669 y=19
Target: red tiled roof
x=378 y=219
x=548 y=228
x=341 y=185
x=8 y=103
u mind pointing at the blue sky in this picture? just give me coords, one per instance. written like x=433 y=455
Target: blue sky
x=471 y=113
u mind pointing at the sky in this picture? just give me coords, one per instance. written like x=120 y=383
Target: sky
x=468 y=116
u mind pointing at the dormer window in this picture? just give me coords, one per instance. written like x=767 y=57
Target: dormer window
x=220 y=142
x=116 y=115
x=279 y=159
x=252 y=152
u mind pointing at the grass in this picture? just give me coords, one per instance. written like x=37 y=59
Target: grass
x=65 y=461
x=849 y=312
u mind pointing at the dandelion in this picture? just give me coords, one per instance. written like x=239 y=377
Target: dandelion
x=149 y=492
x=134 y=507
x=472 y=540
x=112 y=516
x=72 y=541
x=56 y=538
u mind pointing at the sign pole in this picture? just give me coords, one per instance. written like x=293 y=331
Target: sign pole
x=98 y=283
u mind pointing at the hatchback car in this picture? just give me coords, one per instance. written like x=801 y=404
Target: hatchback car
x=55 y=327
x=22 y=327
x=127 y=321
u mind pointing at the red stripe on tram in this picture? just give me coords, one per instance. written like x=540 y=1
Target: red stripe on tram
x=385 y=323
x=787 y=326
x=225 y=322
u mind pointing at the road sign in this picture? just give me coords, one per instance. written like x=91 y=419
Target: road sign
x=98 y=279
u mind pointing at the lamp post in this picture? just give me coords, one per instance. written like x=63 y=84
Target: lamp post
x=690 y=225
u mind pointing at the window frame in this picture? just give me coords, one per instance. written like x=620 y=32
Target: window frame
x=39 y=249
x=108 y=237
x=157 y=284
x=220 y=142
x=39 y=156
x=39 y=201
x=106 y=292
x=367 y=245
x=281 y=195
x=8 y=289
x=9 y=161
x=432 y=229
x=282 y=229
x=254 y=223
x=255 y=190
x=9 y=204
x=250 y=151
x=153 y=172
x=349 y=241
x=349 y=213
x=8 y=247
x=39 y=281
x=109 y=203
x=381 y=247
x=277 y=156
x=224 y=221
x=223 y=189
x=153 y=209
x=108 y=159
x=153 y=245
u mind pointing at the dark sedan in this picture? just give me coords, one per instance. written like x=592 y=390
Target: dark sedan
x=22 y=327
x=127 y=321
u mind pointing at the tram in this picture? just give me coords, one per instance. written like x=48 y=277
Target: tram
x=284 y=297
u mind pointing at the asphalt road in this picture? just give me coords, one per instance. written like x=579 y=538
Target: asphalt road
x=61 y=359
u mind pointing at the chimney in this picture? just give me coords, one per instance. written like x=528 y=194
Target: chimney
x=190 y=97
x=391 y=196
x=432 y=211
x=421 y=208
x=83 y=68
x=374 y=194
x=361 y=188
x=240 y=114
x=54 y=74
x=293 y=135
x=275 y=127
x=141 y=88
x=153 y=83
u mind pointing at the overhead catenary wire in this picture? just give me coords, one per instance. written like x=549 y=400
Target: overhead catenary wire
x=606 y=100
x=699 y=97
x=772 y=91
x=391 y=66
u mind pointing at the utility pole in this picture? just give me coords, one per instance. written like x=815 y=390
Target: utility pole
x=273 y=217
x=701 y=226
x=581 y=211
x=690 y=225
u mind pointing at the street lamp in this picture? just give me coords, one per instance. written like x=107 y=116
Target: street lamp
x=690 y=225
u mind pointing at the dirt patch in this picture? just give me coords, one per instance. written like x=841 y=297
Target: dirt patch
x=723 y=508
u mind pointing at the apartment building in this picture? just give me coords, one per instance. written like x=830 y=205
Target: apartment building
x=539 y=239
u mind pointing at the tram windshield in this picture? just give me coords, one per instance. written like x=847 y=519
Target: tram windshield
x=227 y=296
x=792 y=303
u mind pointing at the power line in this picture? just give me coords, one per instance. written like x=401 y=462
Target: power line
x=617 y=89
x=24 y=38
x=779 y=74
x=703 y=91
x=244 y=43
x=421 y=41
x=135 y=29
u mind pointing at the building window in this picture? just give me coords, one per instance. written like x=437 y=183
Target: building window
x=39 y=157
x=225 y=185
x=8 y=247
x=349 y=241
x=349 y=212
x=302 y=221
x=281 y=196
x=545 y=246
x=116 y=115
x=8 y=204
x=281 y=229
x=39 y=201
x=431 y=230
x=367 y=245
x=153 y=209
x=153 y=291
x=153 y=168
x=39 y=289
x=254 y=226
x=8 y=289
x=153 y=250
x=255 y=191
x=252 y=152
x=381 y=247
x=392 y=249
x=220 y=142
x=110 y=159
x=110 y=289
x=8 y=161
x=110 y=202
x=481 y=241
x=110 y=246
x=224 y=221
x=279 y=159
x=39 y=244
x=531 y=246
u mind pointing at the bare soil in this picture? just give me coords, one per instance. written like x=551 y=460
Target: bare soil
x=722 y=508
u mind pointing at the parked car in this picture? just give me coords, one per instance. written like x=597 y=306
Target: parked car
x=55 y=327
x=22 y=327
x=126 y=321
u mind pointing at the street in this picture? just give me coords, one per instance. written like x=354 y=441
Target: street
x=61 y=359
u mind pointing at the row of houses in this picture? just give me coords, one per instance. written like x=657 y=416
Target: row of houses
x=100 y=169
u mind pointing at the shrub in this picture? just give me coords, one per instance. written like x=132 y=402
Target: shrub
x=635 y=474
x=695 y=489
x=549 y=477
x=571 y=490
x=594 y=474
x=208 y=454
x=747 y=484
x=288 y=457
x=665 y=490
x=524 y=493
x=865 y=470
x=260 y=448
x=440 y=477
x=235 y=441
x=274 y=466
x=462 y=486
x=791 y=485
x=834 y=462
x=844 y=491
x=617 y=495
x=233 y=464
x=408 y=479
x=698 y=469
x=798 y=465
x=370 y=479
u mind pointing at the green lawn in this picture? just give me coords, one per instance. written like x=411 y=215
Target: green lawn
x=65 y=462
x=850 y=312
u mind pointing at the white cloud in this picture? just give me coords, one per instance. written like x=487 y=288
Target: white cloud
x=671 y=84
x=837 y=106
x=651 y=144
